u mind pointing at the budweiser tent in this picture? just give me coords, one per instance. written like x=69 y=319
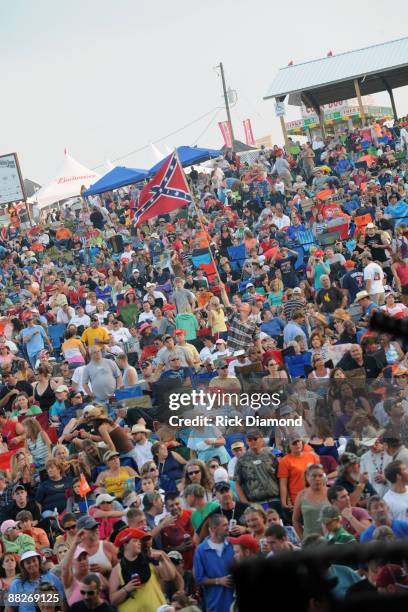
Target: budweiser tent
x=67 y=183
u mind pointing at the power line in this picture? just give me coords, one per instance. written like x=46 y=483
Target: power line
x=217 y=108
x=207 y=126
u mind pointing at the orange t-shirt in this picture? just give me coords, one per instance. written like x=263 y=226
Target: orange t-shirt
x=293 y=468
x=63 y=234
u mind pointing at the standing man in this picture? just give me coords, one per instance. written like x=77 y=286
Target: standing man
x=373 y=278
x=34 y=339
x=182 y=296
x=396 y=498
x=96 y=334
x=212 y=566
x=103 y=374
x=256 y=470
x=242 y=330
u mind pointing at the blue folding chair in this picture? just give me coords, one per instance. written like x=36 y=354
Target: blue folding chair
x=296 y=364
x=56 y=334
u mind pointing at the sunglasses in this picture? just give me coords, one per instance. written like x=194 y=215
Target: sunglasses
x=193 y=472
x=250 y=438
x=91 y=593
x=69 y=527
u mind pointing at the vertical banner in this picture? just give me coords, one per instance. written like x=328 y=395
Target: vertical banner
x=226 y=132
x=249 y=137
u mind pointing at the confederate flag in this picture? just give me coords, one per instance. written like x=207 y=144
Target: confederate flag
x=166 y=191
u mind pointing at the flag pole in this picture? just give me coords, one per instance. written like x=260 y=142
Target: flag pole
x=197 y=211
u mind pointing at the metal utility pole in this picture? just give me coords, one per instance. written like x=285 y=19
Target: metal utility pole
x=227 y=108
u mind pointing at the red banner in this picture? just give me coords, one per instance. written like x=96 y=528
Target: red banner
x=226 y=132
x=249 y=137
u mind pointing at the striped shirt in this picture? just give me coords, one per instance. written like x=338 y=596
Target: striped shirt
x=241 y=333
x=290 y=306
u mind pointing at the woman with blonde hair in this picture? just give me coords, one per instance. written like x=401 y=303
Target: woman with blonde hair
x=38 y=442
x=216 y=318
x=22 y=471
x=275 y=296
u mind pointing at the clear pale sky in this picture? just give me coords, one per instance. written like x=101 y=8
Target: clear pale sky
x=106 y=77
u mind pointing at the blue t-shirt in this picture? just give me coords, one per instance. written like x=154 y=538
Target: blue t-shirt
x=18 y=587
x=36 y=343
x=399 y=529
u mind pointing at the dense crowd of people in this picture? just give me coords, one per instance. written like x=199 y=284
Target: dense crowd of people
x=266 y=282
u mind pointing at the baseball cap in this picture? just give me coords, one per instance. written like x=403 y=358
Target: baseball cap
x=104 y=497
x=86 y=522
x=78 y=552
x=168 y=307
x=246 y=541
x=130 y=534
x=240 y=353
x=6 y=525
x=175 y=554
x=349 y=263
x=28 y=554
x=18 y=487
x=61 y=389
x=370 y=226
x=222 y=485
x=328 y=514
x=391 y=574
x=254 y=433
x=220 y=341
x=220 y=363
x=237 y=444
x=349 y=459
x=179 y=332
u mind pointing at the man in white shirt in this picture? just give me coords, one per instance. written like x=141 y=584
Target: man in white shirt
x=279 y=219
x=373 y=278
x=208 y=352
x=80 y=318
x=238 y=449
x=142 y=451
x=374 y=462
x=127 y=253
x=147 y=316
x=396 y=498
x=240 y=360
x=65 y=313
x=120 y=333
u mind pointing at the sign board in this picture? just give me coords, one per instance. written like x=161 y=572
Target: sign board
x=11 y=182
x=280 y=110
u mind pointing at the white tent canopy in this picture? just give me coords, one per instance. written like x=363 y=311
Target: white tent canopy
x=67 y=183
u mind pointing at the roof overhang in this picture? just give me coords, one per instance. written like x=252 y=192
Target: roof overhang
x=344 y=90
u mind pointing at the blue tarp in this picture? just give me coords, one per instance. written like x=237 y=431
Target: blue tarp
x=189 y=156
x=118 y=177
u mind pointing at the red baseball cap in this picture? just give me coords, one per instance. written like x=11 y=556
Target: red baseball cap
x=144 y=326
x=391 y=574
x=168 y=307
x=179 y=332
x=247 y=541
x=130 y=534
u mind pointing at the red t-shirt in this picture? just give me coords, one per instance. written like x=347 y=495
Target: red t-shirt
x=9 y=433
x=174 y=536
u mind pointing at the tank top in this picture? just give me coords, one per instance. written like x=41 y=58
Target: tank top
x=100 y=558
x=46 y=399
x=120 y=439
x=311 y=514
x=39 y=451
x=402 y=273
x=115 y=485
x=218 y=321
x=124 y=377
x=146 y=599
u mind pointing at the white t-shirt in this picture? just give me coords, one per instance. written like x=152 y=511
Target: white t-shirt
x=374 y=273
x=372 y=463
x=77 y=377
x=398 y=505
x=78 y=321
x=142 y=453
